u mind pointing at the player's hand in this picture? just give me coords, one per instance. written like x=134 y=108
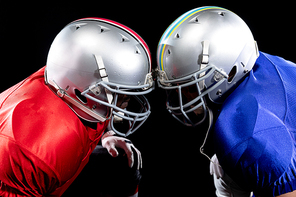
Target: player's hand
x=110 y=142
x=215 y=167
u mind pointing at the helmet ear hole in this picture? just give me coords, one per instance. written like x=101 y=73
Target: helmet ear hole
x=80 y=97
x=232 y=74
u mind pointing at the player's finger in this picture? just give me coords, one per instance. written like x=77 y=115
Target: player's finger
x=128 y=150
x=140 y=165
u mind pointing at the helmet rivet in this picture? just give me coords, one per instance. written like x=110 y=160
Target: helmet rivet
x=218 y=76
x=219 y=92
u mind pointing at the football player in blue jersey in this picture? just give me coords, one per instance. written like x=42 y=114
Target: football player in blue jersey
x=209 y=63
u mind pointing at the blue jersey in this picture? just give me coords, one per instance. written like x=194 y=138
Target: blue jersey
x=256 y=129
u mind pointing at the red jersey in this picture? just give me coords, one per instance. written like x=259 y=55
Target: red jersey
x=43 y=144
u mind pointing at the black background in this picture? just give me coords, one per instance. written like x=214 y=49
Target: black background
x=172 y=164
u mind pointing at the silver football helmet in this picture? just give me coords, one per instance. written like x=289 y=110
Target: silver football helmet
x=205 y=52
x=93 y=63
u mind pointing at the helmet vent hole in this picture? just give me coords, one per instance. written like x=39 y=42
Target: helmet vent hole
x=221 y=13
x=137 y=50
x=194 y=20
x=232 y=74
x=103 y=29
x=78 y=26
x=80 y=97
x=243 y=65
x=124 y=38
x=169 y=51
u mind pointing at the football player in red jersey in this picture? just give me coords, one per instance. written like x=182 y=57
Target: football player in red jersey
x=51 y=123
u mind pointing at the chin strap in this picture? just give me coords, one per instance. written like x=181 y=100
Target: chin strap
x=204 y=61
x=201 y=149
x=104 y=77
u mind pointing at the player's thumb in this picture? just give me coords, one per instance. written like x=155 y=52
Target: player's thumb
x=112 y=150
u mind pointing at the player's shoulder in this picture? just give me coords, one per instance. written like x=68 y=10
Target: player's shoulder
x=251 y=136
x=252 y=133
x=252 y=139
x=39 y=121
x=248 y=123
x=236 y=123
x=40 y=115
x=262 y=92
x=43 y=127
